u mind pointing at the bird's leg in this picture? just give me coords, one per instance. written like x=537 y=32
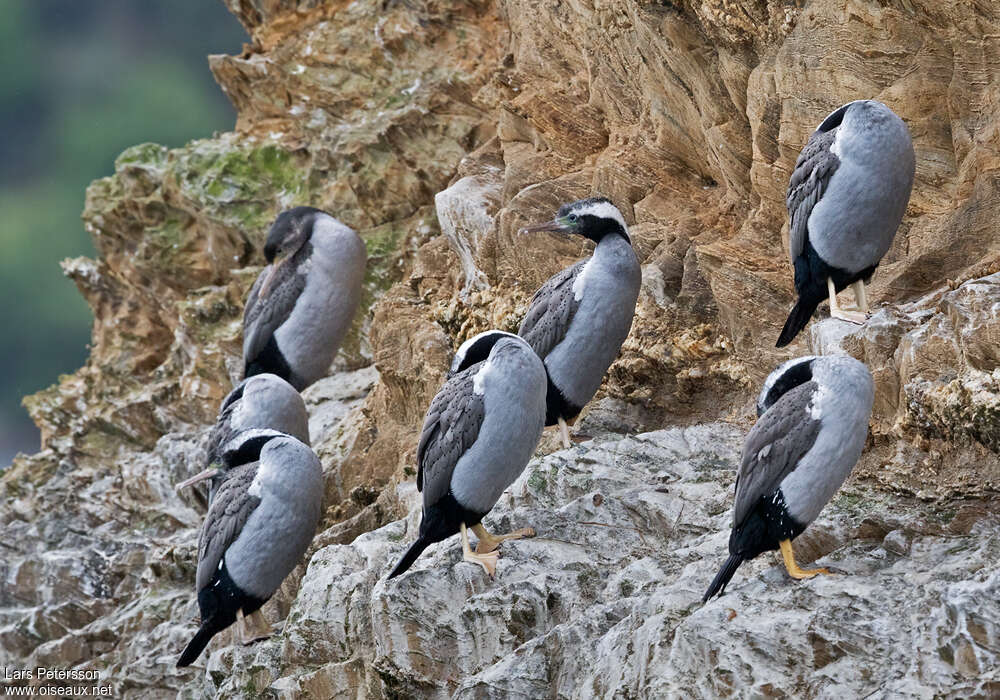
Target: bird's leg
x=240 y=628
x=487 y=542
x=201 y=476
x=564 y=432
x=837 y=312
x=860 y=297
x=258 y=628
x=793 y=569
x=487 y=560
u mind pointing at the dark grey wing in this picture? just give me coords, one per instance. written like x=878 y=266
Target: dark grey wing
x=812 y=173
x=451 y=426
x=232 y=505
x=262 y=317
x=551 y=311
x=774 y=446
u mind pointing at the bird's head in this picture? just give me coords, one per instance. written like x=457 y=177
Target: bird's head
x=858 y=116
x=477 y=349
x=592 y=218
x=288 y=233
x=786 y=377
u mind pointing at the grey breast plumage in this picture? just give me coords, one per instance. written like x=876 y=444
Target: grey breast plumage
x=846 y=198
x=302 y=305
x=578 y=320
x=804 y=445
x=808 y=441
x=258 y=527
x=482 y=427
x=479 y=432
x=860 y=174
x=263 y=517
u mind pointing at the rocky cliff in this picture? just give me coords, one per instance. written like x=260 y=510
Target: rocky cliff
x=437 y=129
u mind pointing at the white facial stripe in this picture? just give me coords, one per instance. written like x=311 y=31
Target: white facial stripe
x=602 y=210
x=774 y=376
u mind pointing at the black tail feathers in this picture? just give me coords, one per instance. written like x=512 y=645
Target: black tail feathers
x=406 y=561
x=197 y=645
x=722 y=578
x=797 y=320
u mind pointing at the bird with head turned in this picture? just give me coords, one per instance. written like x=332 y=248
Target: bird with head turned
x=302 y=305
x=479 y=432
x=846 y=198
x=258 y=527
x=578 y=320
x=264 y=401
x=813 y=415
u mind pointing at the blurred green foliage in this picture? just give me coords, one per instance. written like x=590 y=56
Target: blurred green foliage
x=81 y=80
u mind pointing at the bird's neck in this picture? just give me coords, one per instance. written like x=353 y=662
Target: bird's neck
x=614 y=250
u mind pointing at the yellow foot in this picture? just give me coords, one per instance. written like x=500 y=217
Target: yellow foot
x=861 y=297
x=487 y=542
x=486 y=560
x=857 y=317
x=793 y=569
x=837 y=312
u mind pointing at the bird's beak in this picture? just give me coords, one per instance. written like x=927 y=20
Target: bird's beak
x=207 y=474
x=271 y=276
x=554 y=226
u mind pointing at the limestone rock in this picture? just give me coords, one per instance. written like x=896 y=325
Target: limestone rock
x=606 y=600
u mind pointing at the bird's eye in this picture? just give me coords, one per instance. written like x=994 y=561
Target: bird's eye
x=572 y=217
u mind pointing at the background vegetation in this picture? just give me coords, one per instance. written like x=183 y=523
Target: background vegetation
x=81 y=80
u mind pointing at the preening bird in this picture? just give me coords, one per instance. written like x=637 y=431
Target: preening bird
x=579 y=318
x=812 y=422
x=263 y=401
x=846 y=198
x=302 y=304
x=259 y=525
x=479 y=433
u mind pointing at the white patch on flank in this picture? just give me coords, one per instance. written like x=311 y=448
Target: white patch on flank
x=602 y=210
x=814 y=409
x=255 y=486
x=479 y=380
x=580 y=283
x=835 y=146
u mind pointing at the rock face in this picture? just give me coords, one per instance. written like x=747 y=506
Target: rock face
x=437 y=129
x=606 y=600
